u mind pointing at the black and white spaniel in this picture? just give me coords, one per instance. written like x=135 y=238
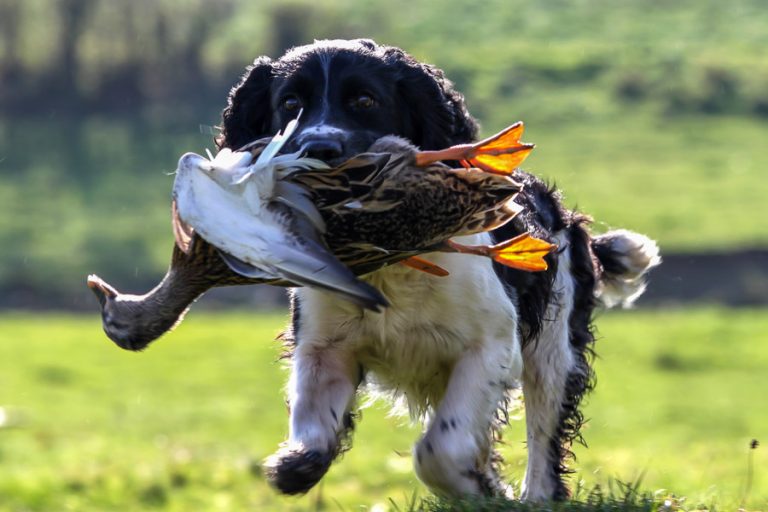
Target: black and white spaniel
x=453 y=347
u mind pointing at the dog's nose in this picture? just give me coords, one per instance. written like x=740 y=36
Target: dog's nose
x=323 y=149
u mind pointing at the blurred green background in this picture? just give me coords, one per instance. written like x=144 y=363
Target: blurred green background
x=650 y=115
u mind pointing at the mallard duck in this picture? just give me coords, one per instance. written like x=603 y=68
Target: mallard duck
x=394 y=202
x=265 y=227
x=385 y=206
x=377 y=208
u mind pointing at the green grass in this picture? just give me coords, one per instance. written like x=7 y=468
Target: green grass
x=184 y=425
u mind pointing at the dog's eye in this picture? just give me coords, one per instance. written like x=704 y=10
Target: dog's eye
x=291 y=103
x=363 y=101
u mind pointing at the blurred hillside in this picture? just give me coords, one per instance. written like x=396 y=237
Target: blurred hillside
x=651 y=115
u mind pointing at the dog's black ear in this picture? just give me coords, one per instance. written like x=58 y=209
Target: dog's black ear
x=435 y=114
x=248 y=113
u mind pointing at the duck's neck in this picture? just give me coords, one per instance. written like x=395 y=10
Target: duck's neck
x=160 y=309
x=168 y=301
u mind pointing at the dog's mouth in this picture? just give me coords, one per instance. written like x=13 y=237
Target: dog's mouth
x=334 y=150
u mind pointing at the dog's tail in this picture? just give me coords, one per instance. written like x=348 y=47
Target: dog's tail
x=625 y=258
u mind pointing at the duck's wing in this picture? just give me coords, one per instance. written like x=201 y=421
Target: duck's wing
x=299 y=199
x=244 y=269
x=218 y=214
x=308 y=262
x=317 y=270
x=350 y=184
x=279 y=241
x=389 y=185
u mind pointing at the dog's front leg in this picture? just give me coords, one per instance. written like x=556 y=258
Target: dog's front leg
x=455 y=457
x=320 y=395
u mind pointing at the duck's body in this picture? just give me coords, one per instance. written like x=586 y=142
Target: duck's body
x=266 y=228
x=379 y=208
x=383 y=207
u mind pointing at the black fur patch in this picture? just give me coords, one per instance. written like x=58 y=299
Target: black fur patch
x=290 y=335
x=422 y=105
x=295 y=306
x=542 y=217
x=296 y=472
x=607 y=256
x=488 y=480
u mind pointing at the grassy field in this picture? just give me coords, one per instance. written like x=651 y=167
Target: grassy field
x=184 y=425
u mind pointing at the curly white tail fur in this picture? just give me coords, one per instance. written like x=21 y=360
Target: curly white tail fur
x=626 y=258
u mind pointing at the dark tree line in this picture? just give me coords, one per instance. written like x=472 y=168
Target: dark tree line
x=111 y=57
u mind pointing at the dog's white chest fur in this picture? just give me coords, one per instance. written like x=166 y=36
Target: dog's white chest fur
x=412 y=346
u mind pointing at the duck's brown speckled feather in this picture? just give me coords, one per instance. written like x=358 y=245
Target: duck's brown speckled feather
x=381 y=208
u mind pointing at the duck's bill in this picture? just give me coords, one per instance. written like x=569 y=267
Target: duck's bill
x=101 y=289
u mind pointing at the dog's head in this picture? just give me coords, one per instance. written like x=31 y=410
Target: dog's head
x=351 y=93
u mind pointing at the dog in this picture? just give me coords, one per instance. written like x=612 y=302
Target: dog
x=453 y=347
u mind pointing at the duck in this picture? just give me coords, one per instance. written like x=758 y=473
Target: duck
x=389 y=205
x=264 y=226
x=395 y=202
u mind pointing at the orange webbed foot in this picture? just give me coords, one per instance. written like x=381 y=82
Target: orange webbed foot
x=499 y=154
x=523 y=252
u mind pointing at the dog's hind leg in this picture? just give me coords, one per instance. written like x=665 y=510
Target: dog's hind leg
x=556 y=370
x=320 y=396
x=455 y=456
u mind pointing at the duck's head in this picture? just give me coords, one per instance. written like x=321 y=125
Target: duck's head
x=132 y=321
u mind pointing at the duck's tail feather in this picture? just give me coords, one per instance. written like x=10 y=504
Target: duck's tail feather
x=493 y=200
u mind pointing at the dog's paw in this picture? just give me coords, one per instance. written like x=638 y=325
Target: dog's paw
x=296 y=472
